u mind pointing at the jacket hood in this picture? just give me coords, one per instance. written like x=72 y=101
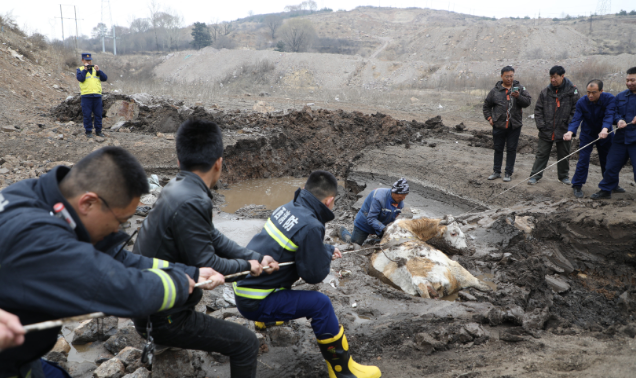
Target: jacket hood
x=306 y=199
x=499 y=85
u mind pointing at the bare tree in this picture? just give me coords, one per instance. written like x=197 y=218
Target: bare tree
x=215 y=30
x=226 y=28
x=154 y=10
x=173 y=22
x=140 y=25
x=273 y=22
x=297 y=34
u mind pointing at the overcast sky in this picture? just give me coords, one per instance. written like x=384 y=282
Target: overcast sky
x=43 y=15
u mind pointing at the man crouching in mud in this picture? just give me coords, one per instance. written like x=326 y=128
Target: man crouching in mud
x=179 y=228
x=295 y=232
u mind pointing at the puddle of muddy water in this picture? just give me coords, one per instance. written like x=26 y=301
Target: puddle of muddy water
x=80 y=353
x=272 y=192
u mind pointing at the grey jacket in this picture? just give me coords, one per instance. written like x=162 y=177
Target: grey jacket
x=554 y=110
x=498 y=102
x=179 y=229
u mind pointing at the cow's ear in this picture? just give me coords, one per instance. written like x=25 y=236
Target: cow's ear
x=448 y=219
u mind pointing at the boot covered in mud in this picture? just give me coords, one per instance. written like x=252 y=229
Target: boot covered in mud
x=339 y=362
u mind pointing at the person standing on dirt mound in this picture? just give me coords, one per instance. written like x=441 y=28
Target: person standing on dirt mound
x=595 y=114
x=624 y=143
x=179 y=229
x=503 y=109
x=90 y=78
x=552 y=114
x=381 y=207
x=296 y=232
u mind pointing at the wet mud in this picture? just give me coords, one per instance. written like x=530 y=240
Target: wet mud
x=564 y=269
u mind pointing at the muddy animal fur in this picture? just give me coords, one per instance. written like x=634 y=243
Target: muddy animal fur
x=428 y=272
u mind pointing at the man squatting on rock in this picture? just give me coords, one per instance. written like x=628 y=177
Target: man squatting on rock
x=503 y=109
x=295 y=232
x=552 y=114
x=179 y=229
x=381 y=207
x=595 y=114
x=54 y=267
x=624 y=143
x=90 y=78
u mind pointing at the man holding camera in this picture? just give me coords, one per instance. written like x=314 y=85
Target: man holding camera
x=90 y=78
x=503 y=109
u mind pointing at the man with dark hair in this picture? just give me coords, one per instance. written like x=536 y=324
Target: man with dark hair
x=64 y=226
x=381 y=207
x=595 y=113
x=179 y=229
x=295 y=232
x=90 y=78
x=624 y=143
x=552 y=114
x=503 y=109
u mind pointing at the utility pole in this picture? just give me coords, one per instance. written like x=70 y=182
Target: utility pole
x=591 y=15
x=62 y=20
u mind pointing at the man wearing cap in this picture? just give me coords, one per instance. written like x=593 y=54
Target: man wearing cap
x=90 y=78
x=381 y=207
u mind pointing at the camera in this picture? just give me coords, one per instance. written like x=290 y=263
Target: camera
x=515 y=89
x=89 y=67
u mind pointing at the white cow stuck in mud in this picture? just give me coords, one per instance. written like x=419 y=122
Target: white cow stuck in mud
x=407 y=262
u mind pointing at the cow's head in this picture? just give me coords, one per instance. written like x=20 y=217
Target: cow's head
x=451 y=238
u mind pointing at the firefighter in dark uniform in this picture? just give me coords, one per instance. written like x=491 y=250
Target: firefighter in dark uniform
x=61 y=255
x=295 y=232
x=90 y=78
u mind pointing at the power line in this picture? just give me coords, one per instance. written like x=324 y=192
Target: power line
x=604 y=7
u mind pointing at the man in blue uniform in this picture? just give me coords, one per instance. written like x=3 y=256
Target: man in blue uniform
x=90 y=78
x=295 y=232
x=180 y=229
x=624 y=143
x=60 y=254
x=595 y=114
x=381 y=207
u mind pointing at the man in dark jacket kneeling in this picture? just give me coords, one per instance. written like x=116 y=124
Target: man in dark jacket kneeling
x=552 y=114
x=179 y=229
x=503 y=109
x=295 y=232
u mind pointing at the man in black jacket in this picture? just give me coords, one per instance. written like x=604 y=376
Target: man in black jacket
x=296 y=232
x=552 y=114
x=503 y=109
x=179 y=229
x=60 y=254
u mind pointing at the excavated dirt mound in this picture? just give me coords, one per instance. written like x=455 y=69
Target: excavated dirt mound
x=290 y=144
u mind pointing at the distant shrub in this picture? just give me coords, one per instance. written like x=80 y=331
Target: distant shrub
x=622 y=12
x=632 y=13
x=280 y=46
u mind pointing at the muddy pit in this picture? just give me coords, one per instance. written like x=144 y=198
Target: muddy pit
x=563 y=270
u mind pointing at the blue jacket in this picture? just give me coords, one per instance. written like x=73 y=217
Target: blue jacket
x=49 y=270
x=626 y=111
x=294 y=232
x=376 y=212
x=593 y=116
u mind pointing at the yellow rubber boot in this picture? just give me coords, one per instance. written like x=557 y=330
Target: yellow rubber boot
x=339 y=362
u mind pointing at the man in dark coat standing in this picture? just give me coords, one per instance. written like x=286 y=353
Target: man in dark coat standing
x=503 y=108
x=552 y=114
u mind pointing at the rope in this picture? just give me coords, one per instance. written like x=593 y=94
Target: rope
x=514 y=186
x=243 y=273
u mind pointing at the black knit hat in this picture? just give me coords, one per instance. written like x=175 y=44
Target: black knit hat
x=400 y=186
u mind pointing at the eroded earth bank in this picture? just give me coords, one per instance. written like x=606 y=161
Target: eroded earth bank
x=562 y=269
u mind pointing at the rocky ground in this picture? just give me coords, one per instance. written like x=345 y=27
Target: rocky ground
x=563 y=268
